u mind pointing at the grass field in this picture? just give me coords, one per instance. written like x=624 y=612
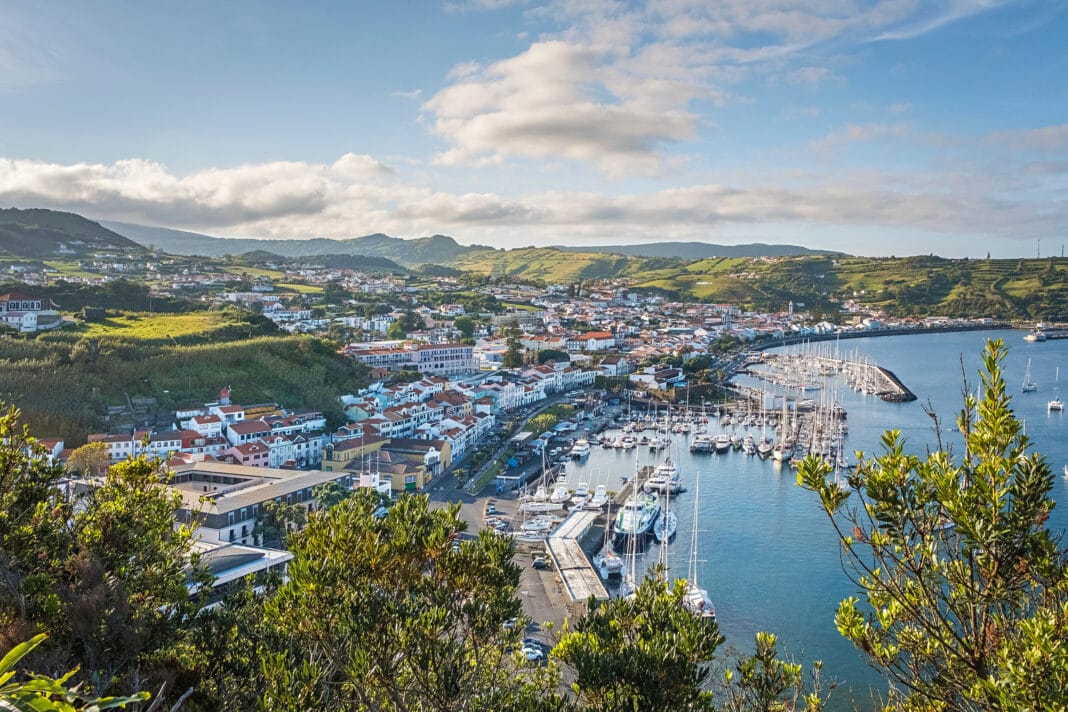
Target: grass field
x=151 y=327
x=300 y=288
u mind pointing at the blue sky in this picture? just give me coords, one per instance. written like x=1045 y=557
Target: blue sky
x=875 y=127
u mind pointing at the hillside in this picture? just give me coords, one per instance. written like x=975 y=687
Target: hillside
x=38 y=233
x=65 y=382
x=700 y=250
x=551 y=264
x=906 y=286
x=409 y=252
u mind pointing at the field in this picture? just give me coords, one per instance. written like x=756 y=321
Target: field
x=151 y=327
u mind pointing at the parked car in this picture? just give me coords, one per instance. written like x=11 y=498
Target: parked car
x=533 y=653
x=540 y=562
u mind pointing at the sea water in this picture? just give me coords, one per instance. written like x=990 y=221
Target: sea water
x=767 y=552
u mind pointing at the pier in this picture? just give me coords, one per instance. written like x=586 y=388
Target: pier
x=576 y=572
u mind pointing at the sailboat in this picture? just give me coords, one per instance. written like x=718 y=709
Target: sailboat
x=1028 y=385
x=1056 y=404
x=608 y=562
x=696 y=600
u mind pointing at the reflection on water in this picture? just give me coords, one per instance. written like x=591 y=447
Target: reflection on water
x=769 y=556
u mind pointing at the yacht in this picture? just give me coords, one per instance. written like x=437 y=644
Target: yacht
x=599 y=498
x=636 y=516
x=765 y=447
x=581 y=496
x=782 y=452
x=696 y=600
x=580 y=449
x=657 y=443
x=665 y=526
x=535 y=507
x=722 y=443
x=1055 y=405
x=1028 y=385
x=1035 y=335
x=702 y=442
x=608 y=563
x=560 y=493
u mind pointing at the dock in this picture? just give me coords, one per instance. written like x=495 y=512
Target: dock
x=576 y=572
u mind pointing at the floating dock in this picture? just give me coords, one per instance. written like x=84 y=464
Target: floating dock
x=576 y=572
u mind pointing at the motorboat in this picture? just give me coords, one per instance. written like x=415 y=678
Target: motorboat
x=580 y=449
x=702 y=442
x=665 y=478
x=599 y=498
x=540 y=525
x=722 y=443
x=765 y=447
x=608 y=563
x=636 y=516
x=581 y=496
x=560 y=493
x=535 y=507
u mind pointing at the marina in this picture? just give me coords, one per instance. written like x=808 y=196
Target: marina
x=764 y=551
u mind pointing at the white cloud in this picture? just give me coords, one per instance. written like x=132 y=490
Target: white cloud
x=292 y=199
x=1047 y=139
x=859 y=133
x=415 y=94
x=616 y=86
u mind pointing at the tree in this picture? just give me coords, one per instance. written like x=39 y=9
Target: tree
x=104 y=572
x=90 y=459
x=384 y=613
x=513 y=357
x=45 y=694
x=552 y=355
x=276 y=521
x=648 y=652
x=465 y=325
x=967 y=592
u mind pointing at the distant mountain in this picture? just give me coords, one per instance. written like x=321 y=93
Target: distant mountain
x=37 y=233
x=701 y=250
x=409 y=252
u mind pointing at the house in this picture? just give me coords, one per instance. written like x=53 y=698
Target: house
x=342 y=454
x=431 y=456
x=615 y=365
x=224 y=500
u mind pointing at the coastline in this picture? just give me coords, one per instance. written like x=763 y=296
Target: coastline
x=898 y=331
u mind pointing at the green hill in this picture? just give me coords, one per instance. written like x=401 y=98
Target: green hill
x=65 y=382
x=37 y=233
x=905 y=286
x=409 y=252
x=700 y=250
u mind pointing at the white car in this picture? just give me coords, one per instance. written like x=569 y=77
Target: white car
x=533 y=653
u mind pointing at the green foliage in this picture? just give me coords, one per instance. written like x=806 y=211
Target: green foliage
x=966 y=589
x=383 y=613
x=552 y=355
x=764 y=682
x=648 y=652
x=465 y=325
x=513 y=356
x=103 y=571
x=65 y=387
x=41 y=693
x=276 y=521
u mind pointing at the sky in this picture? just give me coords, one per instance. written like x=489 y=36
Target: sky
x=874 y=127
